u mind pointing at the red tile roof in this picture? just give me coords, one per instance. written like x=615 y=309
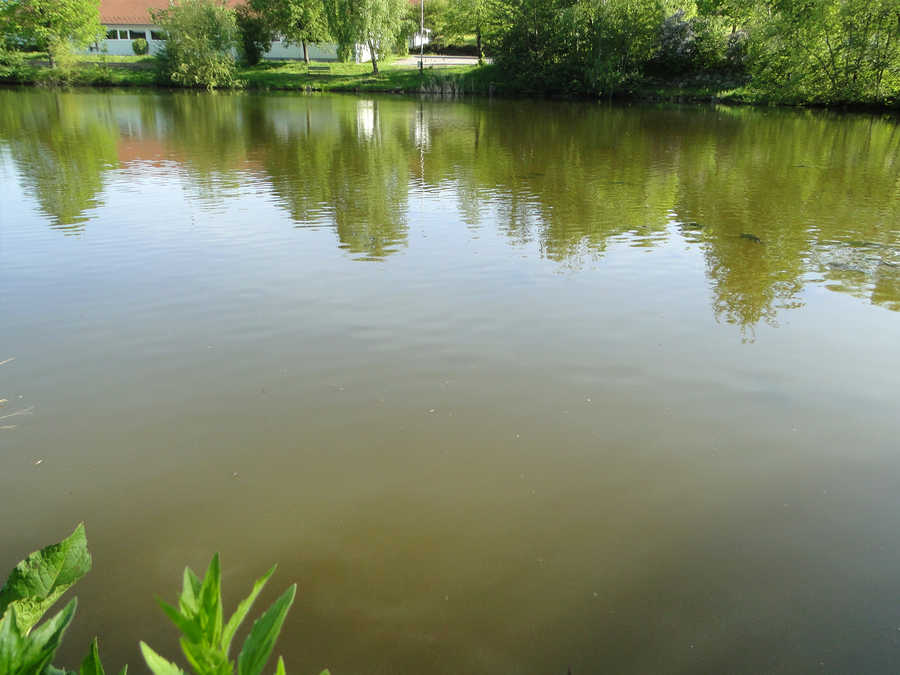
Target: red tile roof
x=125 y=12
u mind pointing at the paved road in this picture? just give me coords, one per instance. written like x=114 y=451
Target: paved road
x=432 y=61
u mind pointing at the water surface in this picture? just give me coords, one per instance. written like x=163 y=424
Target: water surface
x=506 y=387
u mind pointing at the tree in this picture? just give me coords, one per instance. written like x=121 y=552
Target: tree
x=256 y=34
x=828 y=51
x=299 y=21
x=52 y=25
x=469 y=16
x=377 y=24
x=201 y=36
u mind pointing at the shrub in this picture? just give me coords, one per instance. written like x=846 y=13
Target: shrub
x=692 y=45
x=11 y=63
x=202 y=36
x=677 y=44
x=827 y=51
x=139 y=46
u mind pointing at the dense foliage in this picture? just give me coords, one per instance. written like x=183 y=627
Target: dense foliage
x=51 y=26
x=298 y=21
x=377 y=24
x=202 y=36
x=37 y=582
x=793 y=51
x=256 y=34
x=786 y=51
x=828 y=50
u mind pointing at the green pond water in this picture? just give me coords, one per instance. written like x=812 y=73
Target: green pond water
x=505 y=386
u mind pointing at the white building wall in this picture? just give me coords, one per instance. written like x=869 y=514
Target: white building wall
x=417 y=39
x=285 y=50
x=121 y=46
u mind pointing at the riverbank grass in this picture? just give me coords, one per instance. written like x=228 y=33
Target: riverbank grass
x=140 y=71
x=393 y=77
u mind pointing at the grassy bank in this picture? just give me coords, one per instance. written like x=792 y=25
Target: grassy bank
x=140 y=71
x=394 y=77
x=294 y=75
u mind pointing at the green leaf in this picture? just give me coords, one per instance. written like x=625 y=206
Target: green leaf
x=37 y=582
x=259 y=644
x=191 y=587
x=91 y=664
x=279 y=669
x=206 y=659
x=23 y=654
x=53 y=670
x=185 y=624
x=46 y=638
x=211 y=602
x=157 y=664
x=242 y=609
x=12 y=643
x=325 y=672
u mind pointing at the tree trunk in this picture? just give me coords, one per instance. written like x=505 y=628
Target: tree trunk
x=50 y=58
x=374 y=57
x=478 y=43
x=305 y=52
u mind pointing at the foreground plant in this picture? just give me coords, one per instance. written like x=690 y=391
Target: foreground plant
x=37 y=582
x=32 y=588
x=206 y=640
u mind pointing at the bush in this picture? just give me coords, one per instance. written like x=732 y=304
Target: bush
x=202 y=35
x=11 y=63
x=677 y=44
x=256 y=36
x=692 y=46
x=827 y=51
x=140 y=47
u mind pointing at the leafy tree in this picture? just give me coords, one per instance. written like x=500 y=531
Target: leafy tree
x=52 y=25
x=376 y=23
x=465 y=17
x=299 y=21
x=576 y=46
x=626 y=37
x=828 y=51
x=201 y=37
x=736 y=12
x=256 y=35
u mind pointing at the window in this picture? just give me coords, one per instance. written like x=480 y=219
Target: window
x=137 y=34
x=157 y=35
x=112 y=35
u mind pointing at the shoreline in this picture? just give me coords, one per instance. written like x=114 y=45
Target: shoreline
x=449 y=81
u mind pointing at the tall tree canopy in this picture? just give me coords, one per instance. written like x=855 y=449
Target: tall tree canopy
x=378 y=24
x=465 y=17
x=299 y=21
x=52 y=25
x=828 y=50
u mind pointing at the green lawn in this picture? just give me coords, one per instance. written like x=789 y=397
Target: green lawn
x=139 y=71
x=348 y=76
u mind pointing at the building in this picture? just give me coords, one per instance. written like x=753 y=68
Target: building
x=128 y=20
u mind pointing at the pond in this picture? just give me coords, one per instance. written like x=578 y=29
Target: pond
x=505 y=386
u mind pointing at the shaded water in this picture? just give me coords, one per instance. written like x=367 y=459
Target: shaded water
x=507 y=387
